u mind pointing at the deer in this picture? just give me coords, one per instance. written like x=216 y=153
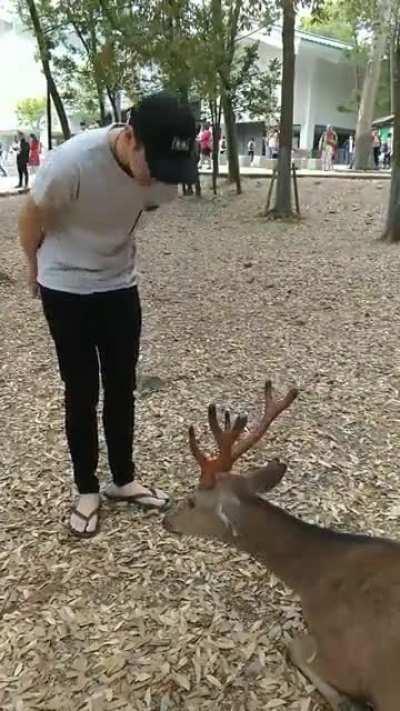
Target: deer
x=348 y=584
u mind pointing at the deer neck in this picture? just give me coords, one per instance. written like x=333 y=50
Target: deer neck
x=295 y=551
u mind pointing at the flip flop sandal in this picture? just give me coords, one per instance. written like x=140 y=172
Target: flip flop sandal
x=139 y=500
x=85 y=533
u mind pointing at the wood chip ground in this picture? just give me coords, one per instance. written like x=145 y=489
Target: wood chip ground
x=139 y=620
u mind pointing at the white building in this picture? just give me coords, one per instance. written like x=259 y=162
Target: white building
x=20 y=75
x=324 y=82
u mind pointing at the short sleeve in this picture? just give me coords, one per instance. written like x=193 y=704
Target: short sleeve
x=57 y=182
x=159 y=194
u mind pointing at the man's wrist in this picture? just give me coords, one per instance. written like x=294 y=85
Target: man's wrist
x=32 y=262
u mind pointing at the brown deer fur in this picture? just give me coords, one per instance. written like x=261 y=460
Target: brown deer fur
x=349 y=585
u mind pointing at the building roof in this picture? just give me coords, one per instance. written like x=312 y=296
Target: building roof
x=304 y=36
x=384 y=121
x=321 y=39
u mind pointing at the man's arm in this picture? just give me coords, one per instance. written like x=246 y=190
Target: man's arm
x=31 y=225
x=54 y=188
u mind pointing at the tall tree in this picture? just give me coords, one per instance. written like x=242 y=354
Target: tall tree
x=83 y=20
x=392 y=231
x=370 y=86
x=193 y=48
x=283 y=202
x=44 y=47
x=236 y=63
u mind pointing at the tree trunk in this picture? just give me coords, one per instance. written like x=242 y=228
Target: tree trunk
x=363 y=145
x=283 y=203
x=392 y=63
x=100 y=99
x=392 y=231
x=58 y=103
x=49 y=126
x=44 y=56
x=114 y=105
x=231 y=139
x=215 y=110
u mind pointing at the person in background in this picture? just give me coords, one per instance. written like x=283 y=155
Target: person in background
x=205 y=141
x=387 y=153
x=187 y=188
x=222 y=145
x=34 y=153
x=273 y=144
x=264 y=142
x=251 y=147
x=376 y=147
x=14 y=148
x=348 y=151
x=327 y=145
x=22 y=160
x=3 y=170
x=351 y=150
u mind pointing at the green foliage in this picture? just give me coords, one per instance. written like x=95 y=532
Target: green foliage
x=99 y=47
x=332 y=21
x=255 y=90
x=336 y=29
x=30 y=112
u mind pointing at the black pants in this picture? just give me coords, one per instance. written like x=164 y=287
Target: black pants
x=187 y=188
x=93 y=334
x=377 y=153
x=22 y=167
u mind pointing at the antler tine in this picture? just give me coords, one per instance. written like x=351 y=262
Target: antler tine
x=272 y=409
x=207 y=478
x=215 y=427
x=227 y=420
x=226 y=437
x=195 y=449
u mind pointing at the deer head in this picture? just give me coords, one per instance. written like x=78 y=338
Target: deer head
x=214 y=510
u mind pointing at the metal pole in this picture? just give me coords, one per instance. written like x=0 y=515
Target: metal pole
x=270 y=189
x=296 y=189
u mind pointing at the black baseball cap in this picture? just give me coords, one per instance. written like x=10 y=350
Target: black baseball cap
x=167 y=129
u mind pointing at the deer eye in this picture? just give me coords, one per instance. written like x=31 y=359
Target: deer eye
x=191 y=502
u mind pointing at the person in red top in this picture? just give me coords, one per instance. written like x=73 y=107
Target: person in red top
x=205 y=140
x=35 y=151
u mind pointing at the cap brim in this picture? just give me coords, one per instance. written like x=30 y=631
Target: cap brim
x=174 y=170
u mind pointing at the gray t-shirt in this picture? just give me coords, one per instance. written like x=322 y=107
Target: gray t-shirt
x=91 y=246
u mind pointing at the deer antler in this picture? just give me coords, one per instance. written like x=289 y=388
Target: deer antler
x=225 y=438
x=272 y=409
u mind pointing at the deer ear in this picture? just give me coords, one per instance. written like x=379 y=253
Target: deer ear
x=265 y=478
